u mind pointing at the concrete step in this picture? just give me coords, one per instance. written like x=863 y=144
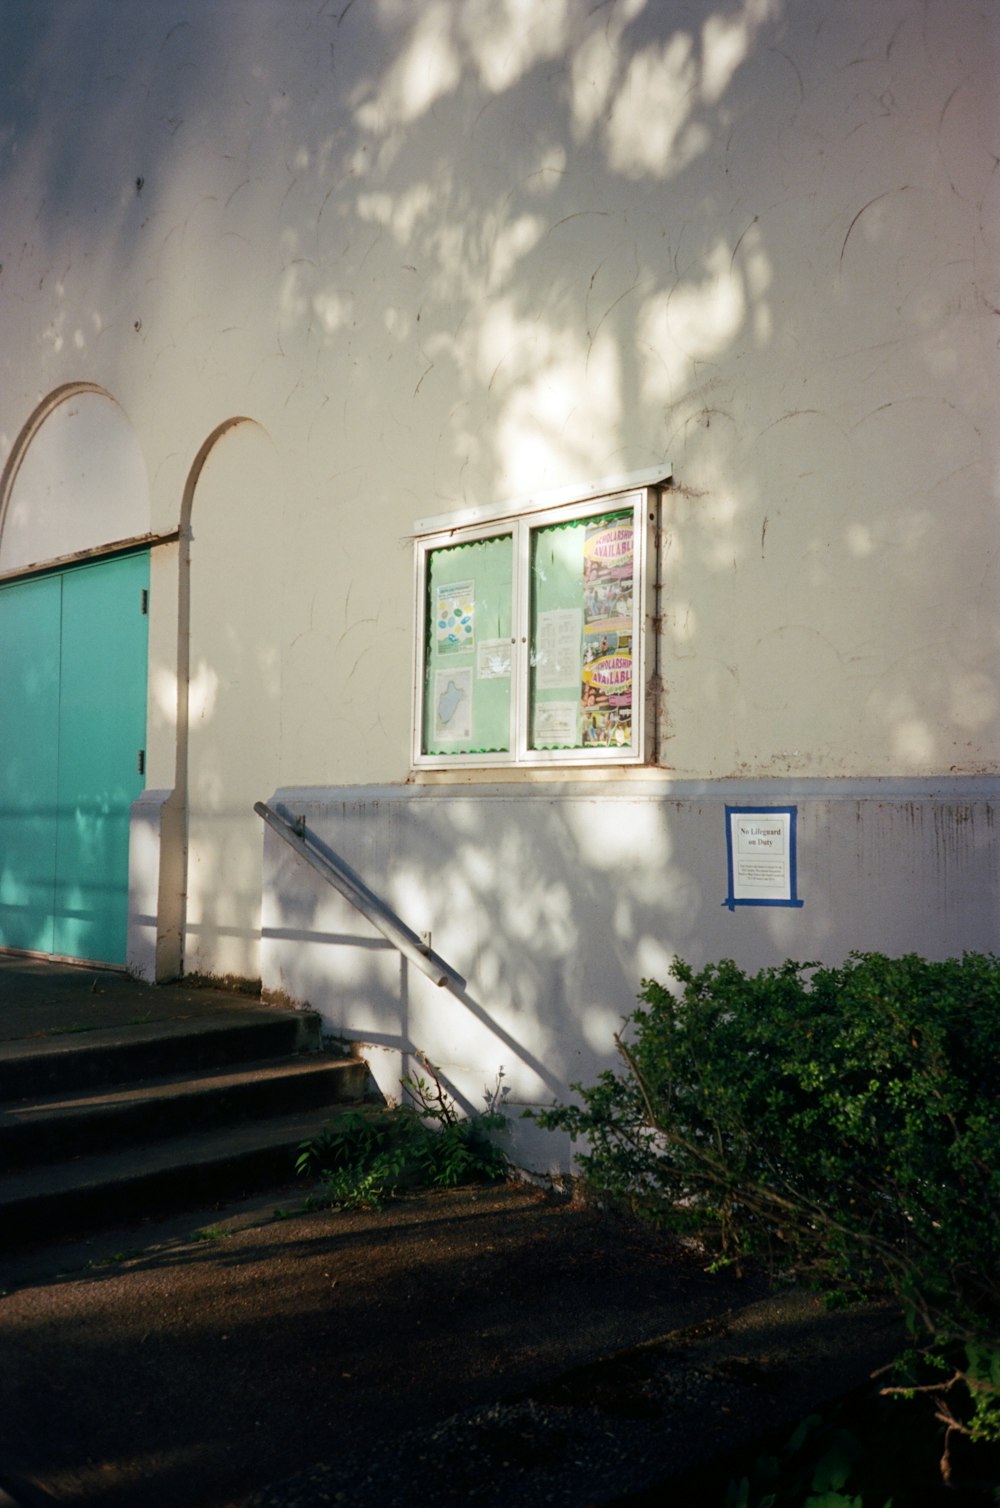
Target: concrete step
x=152 y=1178
x=115 y=1055
x=48 y=1128
x=119 y=1103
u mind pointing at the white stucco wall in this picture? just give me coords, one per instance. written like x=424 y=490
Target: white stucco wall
x=553 y=905
x=452 y=252
x=233 y=713
x=77 y=483
x=449 y=252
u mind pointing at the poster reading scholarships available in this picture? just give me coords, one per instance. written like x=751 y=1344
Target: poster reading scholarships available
x=606 y=691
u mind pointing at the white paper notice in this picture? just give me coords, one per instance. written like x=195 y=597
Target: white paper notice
x=554 y=724
x=492 y=659
x=761 y=856
x=558 y=650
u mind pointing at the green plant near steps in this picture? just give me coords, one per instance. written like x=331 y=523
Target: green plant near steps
x=843 y=1123
x=211 y=1233
x=367 y=1156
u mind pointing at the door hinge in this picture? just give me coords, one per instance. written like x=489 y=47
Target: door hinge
x=144 y=607
x=142 y=761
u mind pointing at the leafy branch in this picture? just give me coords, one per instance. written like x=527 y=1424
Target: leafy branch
x=369 y=1155
x=842 y=1123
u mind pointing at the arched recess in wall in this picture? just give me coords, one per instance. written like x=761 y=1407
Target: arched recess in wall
x=75 y=480
x=74 y=577
x=229 y=681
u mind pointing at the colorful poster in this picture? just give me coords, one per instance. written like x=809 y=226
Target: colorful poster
x=607 y=671
x=606 y=677
x=453 y=704
x=606 y=727
x=608 y=554
x=454 y=617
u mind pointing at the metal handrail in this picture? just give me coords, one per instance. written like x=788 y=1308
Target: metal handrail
x=337 y=874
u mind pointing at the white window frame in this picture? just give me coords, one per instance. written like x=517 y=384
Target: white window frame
x=639 y=491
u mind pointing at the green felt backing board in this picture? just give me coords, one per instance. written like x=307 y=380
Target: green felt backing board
x=467 y=653
x=469 y=630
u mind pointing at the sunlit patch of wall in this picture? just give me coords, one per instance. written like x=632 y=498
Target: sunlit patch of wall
x=553 y=905
x=232 y=718
x=75 y=481
x=448 y=253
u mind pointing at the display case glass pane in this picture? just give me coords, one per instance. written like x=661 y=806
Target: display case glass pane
x=582 y=627
x=467 y=650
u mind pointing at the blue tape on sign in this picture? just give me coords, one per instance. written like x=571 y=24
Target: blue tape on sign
x=761 y=856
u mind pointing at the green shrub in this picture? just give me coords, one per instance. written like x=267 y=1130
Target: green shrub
x=844 y=1123
x=368 y=1155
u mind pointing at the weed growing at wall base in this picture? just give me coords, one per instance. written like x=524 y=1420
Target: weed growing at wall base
x=842 y=1124
x=368 y=1155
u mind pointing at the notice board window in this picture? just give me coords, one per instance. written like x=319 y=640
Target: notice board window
x=532 y=632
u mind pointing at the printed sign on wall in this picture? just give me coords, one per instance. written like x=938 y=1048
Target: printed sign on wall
x=760 y=847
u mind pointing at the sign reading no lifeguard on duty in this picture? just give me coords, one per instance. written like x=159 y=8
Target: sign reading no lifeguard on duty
x=760 y=850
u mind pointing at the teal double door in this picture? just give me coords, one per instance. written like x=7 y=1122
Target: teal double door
x=73 y=657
